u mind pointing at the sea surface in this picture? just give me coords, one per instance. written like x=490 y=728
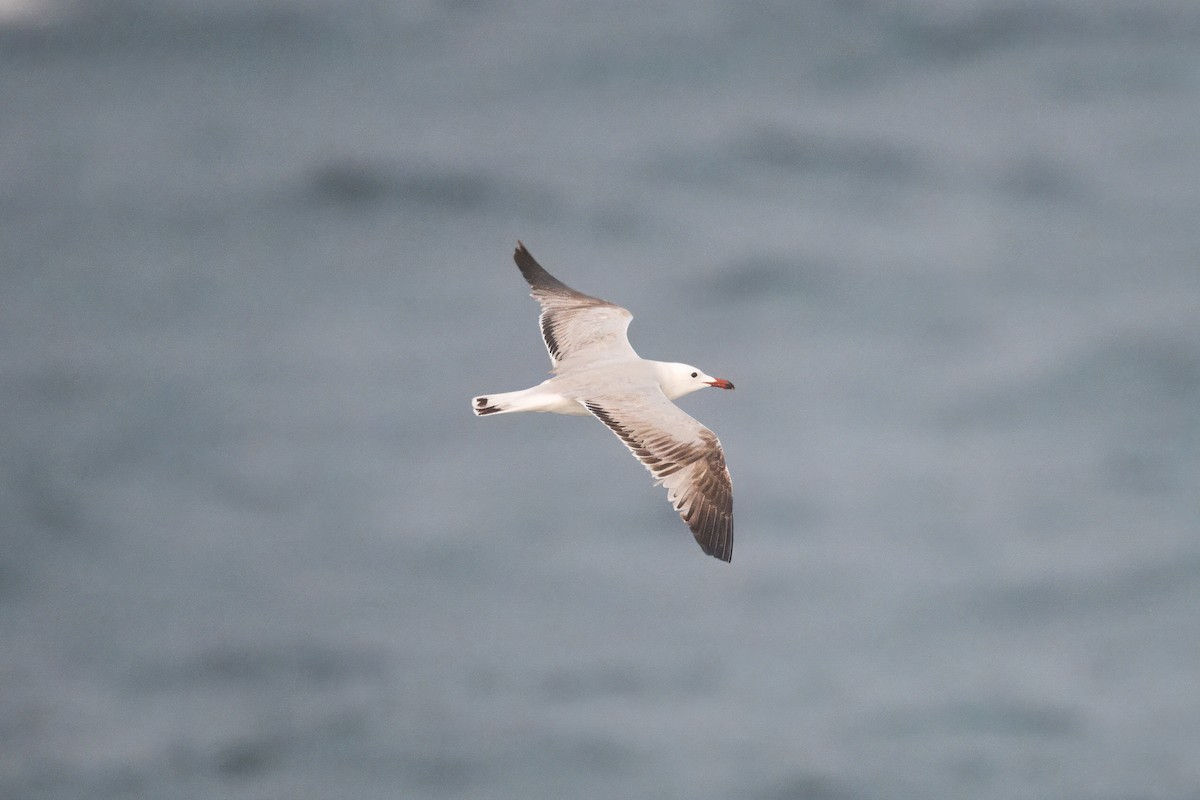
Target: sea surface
x=255 y=259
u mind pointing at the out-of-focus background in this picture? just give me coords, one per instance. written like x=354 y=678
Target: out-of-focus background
x=255 y=260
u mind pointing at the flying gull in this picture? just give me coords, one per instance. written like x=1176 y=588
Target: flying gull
x=597 y=372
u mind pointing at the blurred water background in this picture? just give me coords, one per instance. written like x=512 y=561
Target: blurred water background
x=255 y=260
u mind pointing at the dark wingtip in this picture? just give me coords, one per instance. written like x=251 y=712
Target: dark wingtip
x=718 y=542
x=725 y=555
x=535 y=275
x=526 y=262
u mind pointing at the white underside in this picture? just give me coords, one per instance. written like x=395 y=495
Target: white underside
x=541 y=398
x=576 y=384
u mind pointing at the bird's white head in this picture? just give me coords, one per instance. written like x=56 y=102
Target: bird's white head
x=677 y=379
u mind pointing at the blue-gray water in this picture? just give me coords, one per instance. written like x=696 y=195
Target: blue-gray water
x=255 y=260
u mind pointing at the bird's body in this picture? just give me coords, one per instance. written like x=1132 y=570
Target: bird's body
x=598 y=373
x=569 y=392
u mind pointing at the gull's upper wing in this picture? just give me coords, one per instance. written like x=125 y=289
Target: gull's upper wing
x=574 y=323
x=683 y=455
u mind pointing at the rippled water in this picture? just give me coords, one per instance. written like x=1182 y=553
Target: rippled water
x=256 y=262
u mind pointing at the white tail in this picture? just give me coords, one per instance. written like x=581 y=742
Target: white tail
x=536 y=398
x=484 y=405
x=503 y=403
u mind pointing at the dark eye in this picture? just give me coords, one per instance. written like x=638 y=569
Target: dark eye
x=695 y=374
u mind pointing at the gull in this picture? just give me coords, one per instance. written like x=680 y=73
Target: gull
x=596 y=372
